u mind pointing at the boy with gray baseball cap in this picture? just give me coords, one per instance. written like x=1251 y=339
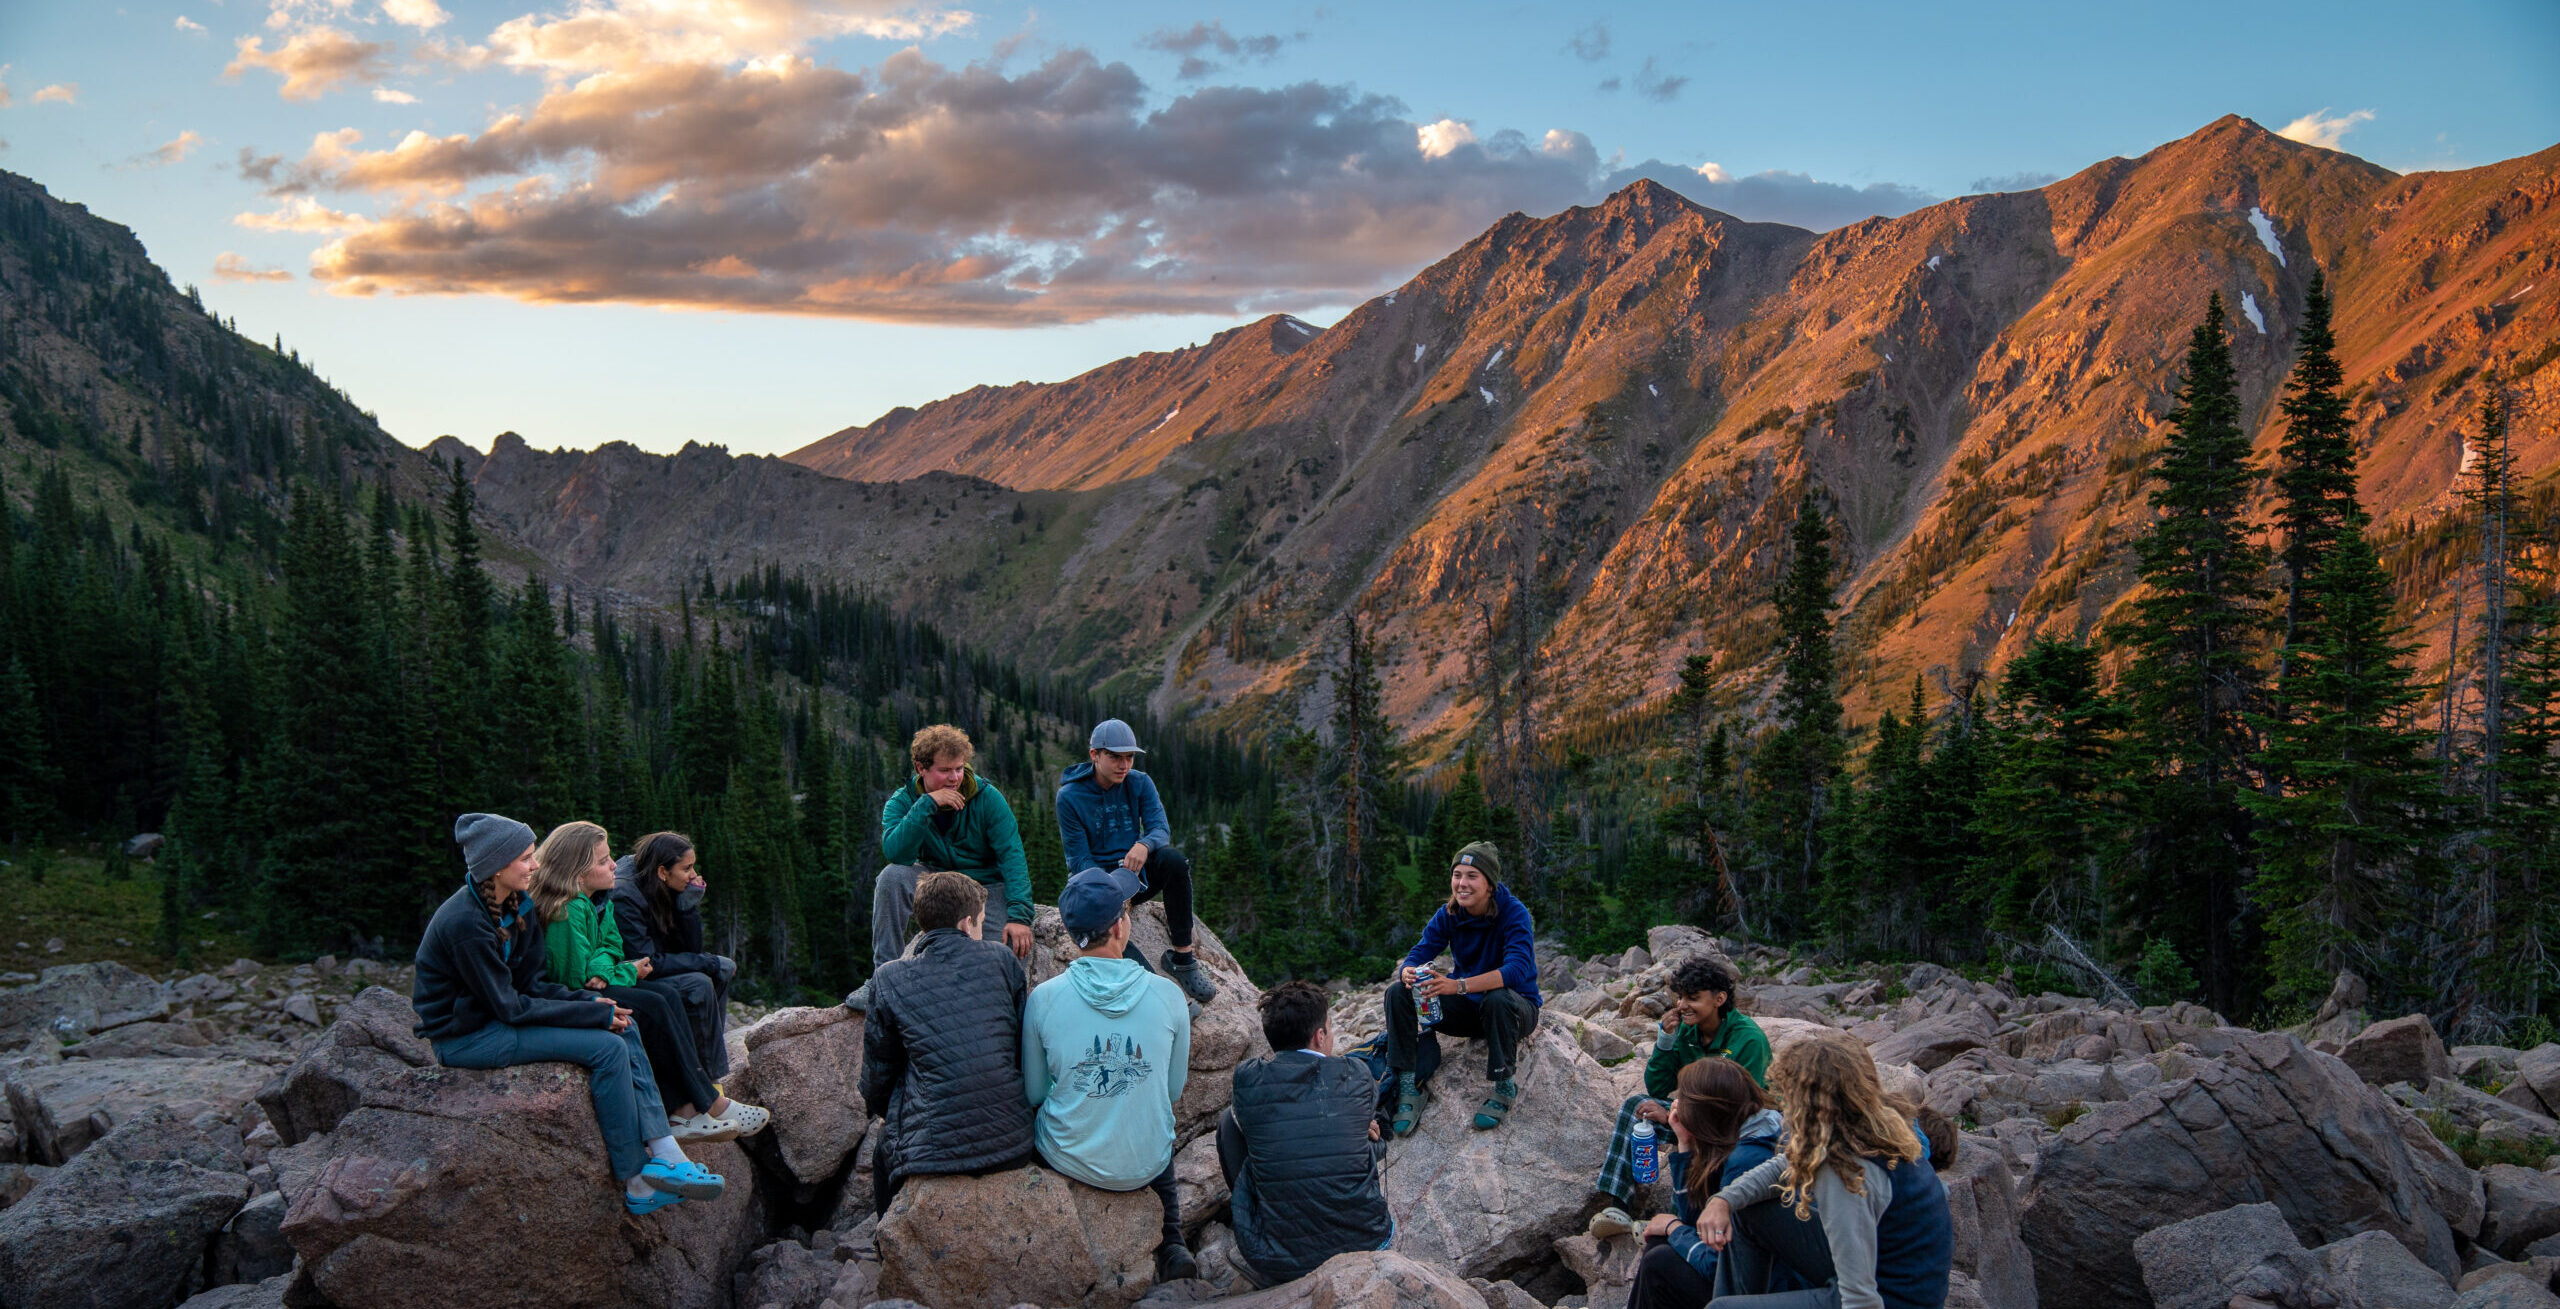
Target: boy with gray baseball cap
x=1109 y=817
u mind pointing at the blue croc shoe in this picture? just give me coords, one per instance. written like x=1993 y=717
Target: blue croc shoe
x=688 y=1179
x=641 y=1207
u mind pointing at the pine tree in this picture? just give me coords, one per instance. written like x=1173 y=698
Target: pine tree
x=2196 y=633
x=539 y=727
x=1367 y=759
x=2316 y=479
x=315 y=885
x=1803 y=756
x=27 y=779
x=2043 y=805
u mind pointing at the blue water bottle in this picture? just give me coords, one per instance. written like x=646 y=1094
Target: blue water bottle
x=1427 y=1007
x=1641 y=1150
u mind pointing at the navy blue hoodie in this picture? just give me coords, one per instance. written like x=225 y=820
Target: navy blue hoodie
x=1484 y=942
x=475 y=969
x=1098 y=826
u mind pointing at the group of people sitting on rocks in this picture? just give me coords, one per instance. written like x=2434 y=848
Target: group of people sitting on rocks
x=560 y=952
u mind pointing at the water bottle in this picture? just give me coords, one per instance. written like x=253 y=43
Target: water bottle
x=1427 y=1006
x=1641 y=1148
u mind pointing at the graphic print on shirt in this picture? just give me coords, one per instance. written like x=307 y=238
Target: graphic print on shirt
x=1115 y=1067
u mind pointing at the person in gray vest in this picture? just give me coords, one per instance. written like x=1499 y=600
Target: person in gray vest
x=1109 y=816
x=942 y=1047
x=1300 y=1146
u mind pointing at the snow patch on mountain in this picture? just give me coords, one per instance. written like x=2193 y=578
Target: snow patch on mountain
x=2249 y=310
x=2267 y=234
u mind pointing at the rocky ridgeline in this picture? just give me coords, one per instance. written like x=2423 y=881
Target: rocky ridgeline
x=2112 y=1156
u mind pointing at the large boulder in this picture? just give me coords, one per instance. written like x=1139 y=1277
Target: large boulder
x=1375 y=1279
x=1023 y=1236
x=1199 y=1184
x=73 y=1000
x=2248 y=1255
x=805 y=1065
x=2404 y=1049
x=126 y=1223
x=1933 y=1041
x=2536 y=1085
x=1669 y=945
x=421 y=1159
x=2523 y=1207
x=1227 y=1031
x=1486 y=1203
x=1982 y=1206
x=2271 y=1120
x=60 y=1108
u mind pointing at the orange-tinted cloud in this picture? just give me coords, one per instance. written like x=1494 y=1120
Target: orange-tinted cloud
x=312 y=62
x=230 y=267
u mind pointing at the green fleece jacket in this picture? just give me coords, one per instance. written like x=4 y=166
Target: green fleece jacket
x=1736 y=1038
x=980 y=838
x=584 y=943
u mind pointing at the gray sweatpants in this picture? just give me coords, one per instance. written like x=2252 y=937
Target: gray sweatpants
x=893 y=904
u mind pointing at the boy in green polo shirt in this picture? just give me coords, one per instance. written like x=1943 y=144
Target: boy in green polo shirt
x=1702 y=1021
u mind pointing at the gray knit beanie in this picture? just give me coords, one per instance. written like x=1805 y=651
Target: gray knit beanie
x=490 y=842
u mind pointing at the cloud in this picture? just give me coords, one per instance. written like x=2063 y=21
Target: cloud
x=420 y=14
x=173 y=150
x=313 y=62
x=1655 y=86
x=920 y=192
x=1591 y=44
x=229 y=267
x=635 y=34
x=1777 y=196
x=1196 y=44
x=391 y=97
x=4 y=88
x=61 y=93
x=186 y=24
x=2019 y=181
x=303 y=214
x=2323 y=129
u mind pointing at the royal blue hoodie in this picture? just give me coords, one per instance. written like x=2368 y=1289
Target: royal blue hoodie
x=1483 y=942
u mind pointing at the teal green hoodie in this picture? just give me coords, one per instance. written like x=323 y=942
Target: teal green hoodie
x=1106 y=1047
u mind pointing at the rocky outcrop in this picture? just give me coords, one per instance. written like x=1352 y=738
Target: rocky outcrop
x=1982 y=1207
x=805 y=1065
x=125 y=1223
x=2403 y=1049
x=70 y=1001
x=61 y=1108
x=2522 y=1207
x=2270 y=1120
x=1379 y=1279
x=2249 y=1255
x=1024 y=1236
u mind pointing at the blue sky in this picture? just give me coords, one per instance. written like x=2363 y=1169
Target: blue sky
x=752 y=222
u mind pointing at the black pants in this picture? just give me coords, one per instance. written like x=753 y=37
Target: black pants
x=1162 y=1186
x=667 y=1035
x=1664 y=1280
x=1168 y=872
x=1501 y=1017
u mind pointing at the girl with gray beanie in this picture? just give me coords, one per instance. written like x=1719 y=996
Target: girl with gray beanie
x=482 y=1002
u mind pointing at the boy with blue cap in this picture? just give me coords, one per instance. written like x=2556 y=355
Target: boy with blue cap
x=1109 y=816
x=1106 y=1048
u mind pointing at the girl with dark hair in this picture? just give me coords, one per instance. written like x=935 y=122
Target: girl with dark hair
x=657 y=903
x=483 y=1003
x=1705 y=1018
x=584 y=952
x=1723 y=1125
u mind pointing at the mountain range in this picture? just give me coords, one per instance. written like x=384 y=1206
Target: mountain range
x=1597 y=425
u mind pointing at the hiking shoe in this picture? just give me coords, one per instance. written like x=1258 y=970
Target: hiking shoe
x=689 y=1179
x=1497 y=1106
x=703 y=1127
x=860 y=1000
x=1609 y=1222
x=1408 y=1106
x=1174 y=1263
x=750 y=1118
x=642 y=1207
x=1186 y=972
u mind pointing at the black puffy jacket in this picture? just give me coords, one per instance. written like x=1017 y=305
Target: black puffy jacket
x=1309 y=1186
x=942 y=1051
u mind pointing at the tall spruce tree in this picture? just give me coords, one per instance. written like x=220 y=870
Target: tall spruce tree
x=1802 y=757
x=540 y=729
x=317 y=883
x=2315 y=480
x=2196 y=632
x=2043 y=808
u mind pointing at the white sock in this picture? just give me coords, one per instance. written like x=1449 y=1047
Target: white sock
x=666 y=1151
x=636 y=1189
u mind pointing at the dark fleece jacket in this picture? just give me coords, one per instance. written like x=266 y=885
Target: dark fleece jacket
x=475 y=968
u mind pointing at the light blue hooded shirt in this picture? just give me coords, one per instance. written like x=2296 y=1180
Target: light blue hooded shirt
x=1106 y=1048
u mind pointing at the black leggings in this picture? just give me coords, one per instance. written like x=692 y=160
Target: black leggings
x=667 y=1036
x=1169 y=871
x=1664 y=1280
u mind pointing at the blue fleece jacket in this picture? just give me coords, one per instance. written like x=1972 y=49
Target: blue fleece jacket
x=1106 y=1048
x=1483 y=942
x=1097 y=827
x=1758 y=1142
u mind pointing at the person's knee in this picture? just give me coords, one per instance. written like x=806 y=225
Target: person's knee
x=1171 y=861
x=1659 y=1259
x=1399 y=993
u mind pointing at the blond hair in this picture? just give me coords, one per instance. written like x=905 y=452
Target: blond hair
x=931 y=743
x=566 y=855
x=1837 y=1115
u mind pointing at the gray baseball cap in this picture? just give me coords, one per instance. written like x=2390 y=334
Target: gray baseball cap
x=1113 y=735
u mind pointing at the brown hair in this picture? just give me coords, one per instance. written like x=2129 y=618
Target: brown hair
x=1716 y=1096
x=566 y=854
x=947 y=899
x=931 y=743
x=1837 y=1115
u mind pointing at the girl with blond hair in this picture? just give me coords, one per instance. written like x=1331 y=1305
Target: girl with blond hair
x=583 y=951
x=1850 y=1204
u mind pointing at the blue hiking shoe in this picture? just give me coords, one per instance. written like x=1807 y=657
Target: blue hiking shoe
x=642 y=1207
x=688 y=1179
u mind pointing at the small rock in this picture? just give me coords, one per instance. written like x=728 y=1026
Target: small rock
x=2404 y=1049
x=303 y=1009
x=55 y=945
x=1603 y=1044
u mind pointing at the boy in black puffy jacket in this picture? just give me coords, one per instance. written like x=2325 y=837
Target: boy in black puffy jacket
x=1300 y=1146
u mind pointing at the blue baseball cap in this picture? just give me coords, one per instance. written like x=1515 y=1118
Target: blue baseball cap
x=1113 y=735
x=1094 y=900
